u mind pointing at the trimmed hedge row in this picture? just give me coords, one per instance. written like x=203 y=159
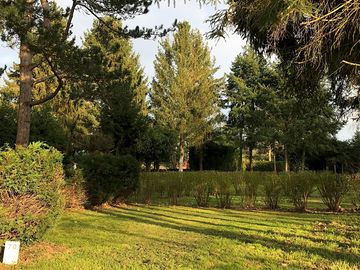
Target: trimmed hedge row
x=247 y=186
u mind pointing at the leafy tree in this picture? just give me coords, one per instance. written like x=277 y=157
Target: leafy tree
x=184 y=91
x=41 y=32
x=249 y=96
x=156 y=145
x=120 y=88
x=64 y=122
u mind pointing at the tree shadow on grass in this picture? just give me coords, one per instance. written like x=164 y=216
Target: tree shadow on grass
x=153 y=219
x=242 y=216
x=270 y=229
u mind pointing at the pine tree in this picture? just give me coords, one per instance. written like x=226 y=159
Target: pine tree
x=250 y=96
x=121 y=86
x=41 y=31
x=184 y=92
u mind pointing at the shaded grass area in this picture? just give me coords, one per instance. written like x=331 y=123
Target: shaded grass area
x=163 y=237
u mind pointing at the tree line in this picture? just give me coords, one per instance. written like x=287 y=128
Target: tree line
x=96 y=98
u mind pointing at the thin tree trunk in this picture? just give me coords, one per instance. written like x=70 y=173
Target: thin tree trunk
x=250 y=157
x=240 y=161
x=286 y=159
x=147 y=166
x=24 y=106
x=201 y=157
x=157 y=166
x=270 y=154
x=274 y=161
x=182 y=153
x=303 y=160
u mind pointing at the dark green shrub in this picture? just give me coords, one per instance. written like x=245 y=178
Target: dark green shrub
x=109 y=178
x=223 y=186
x=267 y=166
x=250 y=188
x=332 y=188
x=298 y=188
x=147 y=187
x=237 y=181
x=202 y=188
x=175 y=186
x=30 y=191
x=272 y=189
x=354 y=192
x=74 y=190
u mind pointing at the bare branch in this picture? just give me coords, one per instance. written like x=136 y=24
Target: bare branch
x=71 y=16
x=350 y=63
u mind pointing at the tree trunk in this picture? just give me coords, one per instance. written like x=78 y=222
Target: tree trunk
x=250 y=157
x=274 y=160
x=157 y=166
x=147 y=166
x=201 y=157
x=24 y=106
x=286 y=159
x=240 y=161
x=303 y=160
x=270 y=154
x=182 y=153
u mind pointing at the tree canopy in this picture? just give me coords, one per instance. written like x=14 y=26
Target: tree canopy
x=185 y=94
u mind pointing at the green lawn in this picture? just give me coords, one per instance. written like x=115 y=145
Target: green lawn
x=166 y=237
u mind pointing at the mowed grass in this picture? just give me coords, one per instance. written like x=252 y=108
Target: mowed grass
x=179 y=237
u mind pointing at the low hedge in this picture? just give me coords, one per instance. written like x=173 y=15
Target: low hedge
x=248 y=186
x=30 y=191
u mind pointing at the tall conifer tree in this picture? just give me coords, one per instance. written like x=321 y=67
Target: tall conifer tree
x=184 y=91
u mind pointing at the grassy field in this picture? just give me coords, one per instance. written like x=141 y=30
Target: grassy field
x=166 y=237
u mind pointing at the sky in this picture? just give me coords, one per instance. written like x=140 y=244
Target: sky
x=224 y=51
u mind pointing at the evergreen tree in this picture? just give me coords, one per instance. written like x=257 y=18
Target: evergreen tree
x=120 y=88
x=249 y=96
x=184 y=92
x=314 y=37
x=41 y=31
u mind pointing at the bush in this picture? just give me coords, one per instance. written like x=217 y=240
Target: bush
x=202 y=188
x=250 y=187
x=109 y=178
x=272 y=189
x=355 y=191
x=30 y=191
x=175 y=187
x=332 y=188
x=147 y=187
x=74 y=190
x=298 y=188
x=267 y=166
x=223 y=185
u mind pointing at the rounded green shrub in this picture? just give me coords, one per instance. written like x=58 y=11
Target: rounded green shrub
x=272 y=189
x=332 y=188
x=30 y=191
x=298 y=188
x=109 y=178
x=223 y=189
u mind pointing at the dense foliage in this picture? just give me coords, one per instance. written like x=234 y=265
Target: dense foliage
x=109 y=178
x=30 y=191
x=185 y=93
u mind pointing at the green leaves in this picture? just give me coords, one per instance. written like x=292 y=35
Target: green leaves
x=184 y=93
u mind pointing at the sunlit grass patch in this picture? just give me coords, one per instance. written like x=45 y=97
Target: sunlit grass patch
x=164 y=237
